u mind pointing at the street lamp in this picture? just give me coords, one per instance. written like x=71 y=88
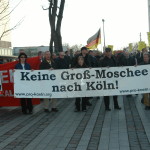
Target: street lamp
x=103 y=33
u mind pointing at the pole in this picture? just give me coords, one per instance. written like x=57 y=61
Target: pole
x=103 y=34
x=140 y=37
x=149 y=14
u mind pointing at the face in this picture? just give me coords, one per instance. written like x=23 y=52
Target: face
x=146 y=58
x=47 y=55
x=22 y=58
x=84 y=52
x=108 y=53
x=54 y=56
x=80 y=61
x=61 y=55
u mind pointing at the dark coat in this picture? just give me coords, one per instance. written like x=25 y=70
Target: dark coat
x=89 y=60
x=45 y=65
x=61 y=63
x=83 y=66
x=144 y=63
x=26 y=66
x=108 y=62
x=130 y=61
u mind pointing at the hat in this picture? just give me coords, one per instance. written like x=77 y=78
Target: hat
x=83 y=48
x=107 y=49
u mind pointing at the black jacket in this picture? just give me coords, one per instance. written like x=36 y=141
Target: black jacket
x=144 y=63
x=130 y=61
x=88 y=59
x=45 y=65
x=83 y=66
x=108 y=62
x=61 y=63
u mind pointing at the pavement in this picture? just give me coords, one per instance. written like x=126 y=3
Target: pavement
x=96 y=129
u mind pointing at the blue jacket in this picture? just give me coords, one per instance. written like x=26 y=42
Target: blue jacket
x=19 y=66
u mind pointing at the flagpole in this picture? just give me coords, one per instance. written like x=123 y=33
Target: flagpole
x=103 y=34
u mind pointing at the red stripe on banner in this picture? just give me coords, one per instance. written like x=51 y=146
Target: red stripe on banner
x=6 y=70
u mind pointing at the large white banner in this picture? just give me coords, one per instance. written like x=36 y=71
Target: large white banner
x=83 y=82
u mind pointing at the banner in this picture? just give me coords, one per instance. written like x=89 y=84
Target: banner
x=83 y=82
x=130 y=47
x=6 y=73
x=141 y=45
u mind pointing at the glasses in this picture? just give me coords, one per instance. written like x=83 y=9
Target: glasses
x=22 y=57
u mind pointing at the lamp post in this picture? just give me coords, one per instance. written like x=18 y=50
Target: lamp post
x=149 y=14
x=140 y=37
x=103 y=34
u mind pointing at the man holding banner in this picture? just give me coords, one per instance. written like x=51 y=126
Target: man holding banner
x=48 y=63
x=109 y=61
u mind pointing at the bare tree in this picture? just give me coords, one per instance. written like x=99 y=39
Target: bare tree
x=5 y=18
x=56 y=8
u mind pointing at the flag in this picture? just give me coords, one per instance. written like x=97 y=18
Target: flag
x=94 y=40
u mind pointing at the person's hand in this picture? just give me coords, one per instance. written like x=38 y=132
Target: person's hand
x=13 y=70
x=32 y=69
x=50 y=69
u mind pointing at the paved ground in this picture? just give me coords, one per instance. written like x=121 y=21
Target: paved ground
x=96 y=129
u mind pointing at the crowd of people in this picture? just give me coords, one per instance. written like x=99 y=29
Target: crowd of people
x=83 y=59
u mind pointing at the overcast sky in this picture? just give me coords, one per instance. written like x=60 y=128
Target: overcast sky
x=124 y=20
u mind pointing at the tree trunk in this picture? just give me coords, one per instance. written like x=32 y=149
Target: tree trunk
x=55 y=24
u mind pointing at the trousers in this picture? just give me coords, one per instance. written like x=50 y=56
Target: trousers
x=26 y=104
x=46 y=103
x=107 y=101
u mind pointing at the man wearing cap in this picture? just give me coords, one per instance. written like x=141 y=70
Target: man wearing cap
x=109 y=61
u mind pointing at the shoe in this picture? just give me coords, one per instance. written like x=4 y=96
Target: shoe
x=89 y=104
x=46 y=110
x=119 y=108
x=76 y=110
x=142 y=100
x=55 y=109
x=147 y=107
x=24 y=112
x=128 y=95
x=107 y=109
x=30 y=112
x=84 y=110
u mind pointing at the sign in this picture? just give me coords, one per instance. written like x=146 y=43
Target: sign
x=7 y=78
x=83 y=82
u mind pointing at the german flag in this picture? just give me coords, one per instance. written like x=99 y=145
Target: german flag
x=94 y=40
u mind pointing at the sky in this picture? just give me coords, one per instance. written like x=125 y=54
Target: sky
x=124 y=21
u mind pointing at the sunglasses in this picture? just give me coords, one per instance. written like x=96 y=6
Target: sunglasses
x=22 y=57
